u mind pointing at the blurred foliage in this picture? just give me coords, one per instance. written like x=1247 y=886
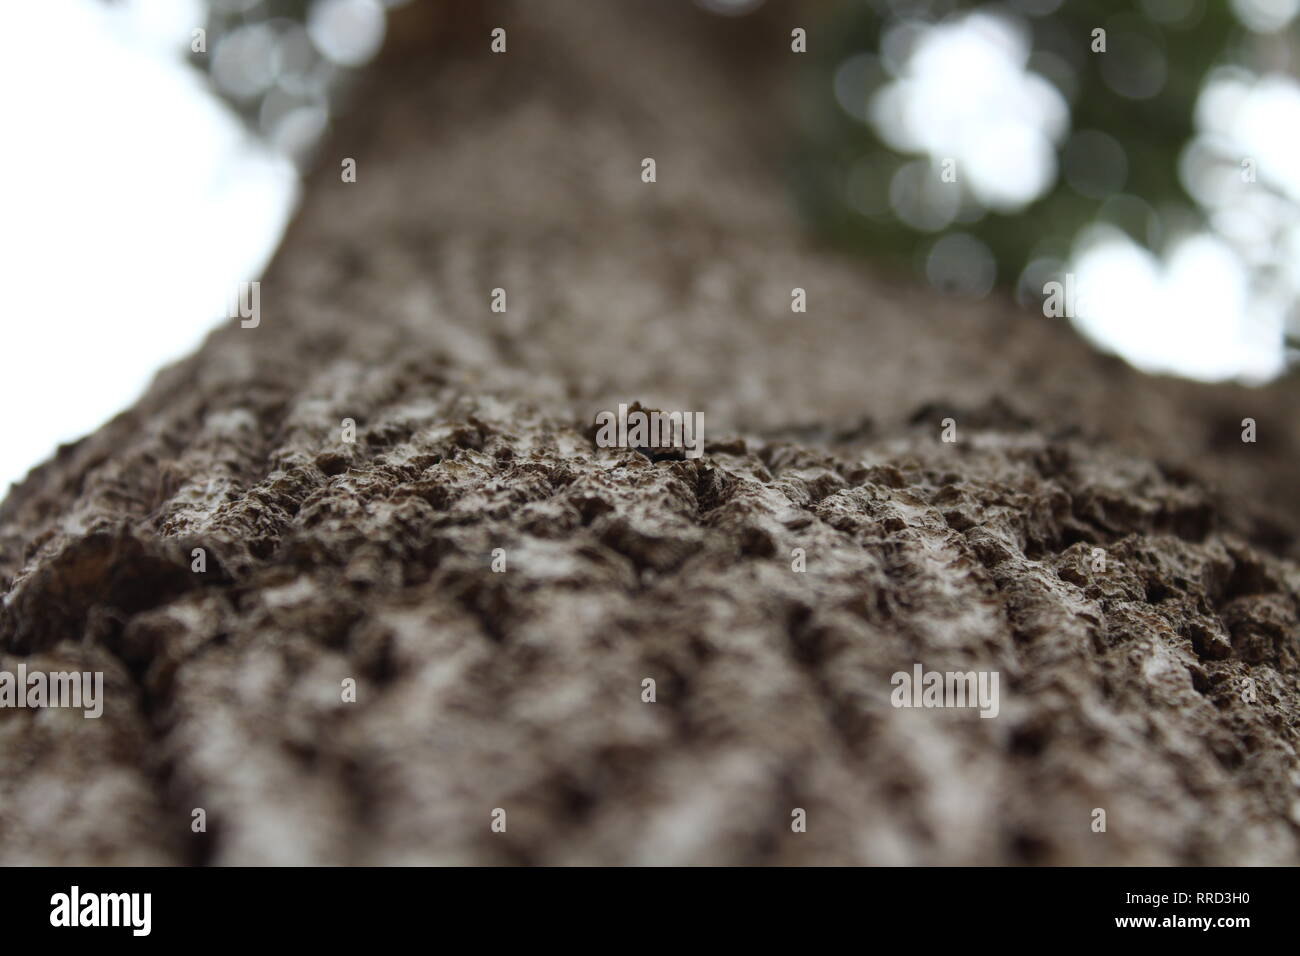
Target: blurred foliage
x=282 y=64
x=1152 y=131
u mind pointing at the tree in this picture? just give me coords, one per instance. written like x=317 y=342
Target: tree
x=432 y=643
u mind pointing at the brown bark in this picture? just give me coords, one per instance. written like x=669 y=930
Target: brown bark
x=1121 y=689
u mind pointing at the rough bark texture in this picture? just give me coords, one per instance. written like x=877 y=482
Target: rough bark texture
x=521 y=690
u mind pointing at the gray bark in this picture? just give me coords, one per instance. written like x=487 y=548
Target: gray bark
x=477 y=690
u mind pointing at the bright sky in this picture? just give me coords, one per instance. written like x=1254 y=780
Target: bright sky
x=133 y=204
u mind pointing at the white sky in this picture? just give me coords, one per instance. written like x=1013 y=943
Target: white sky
x=964 y=93
x=132 y=204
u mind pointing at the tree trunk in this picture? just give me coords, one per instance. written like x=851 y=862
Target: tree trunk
x=1160 y=688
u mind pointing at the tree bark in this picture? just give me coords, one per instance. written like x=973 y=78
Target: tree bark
x=1123 y=689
